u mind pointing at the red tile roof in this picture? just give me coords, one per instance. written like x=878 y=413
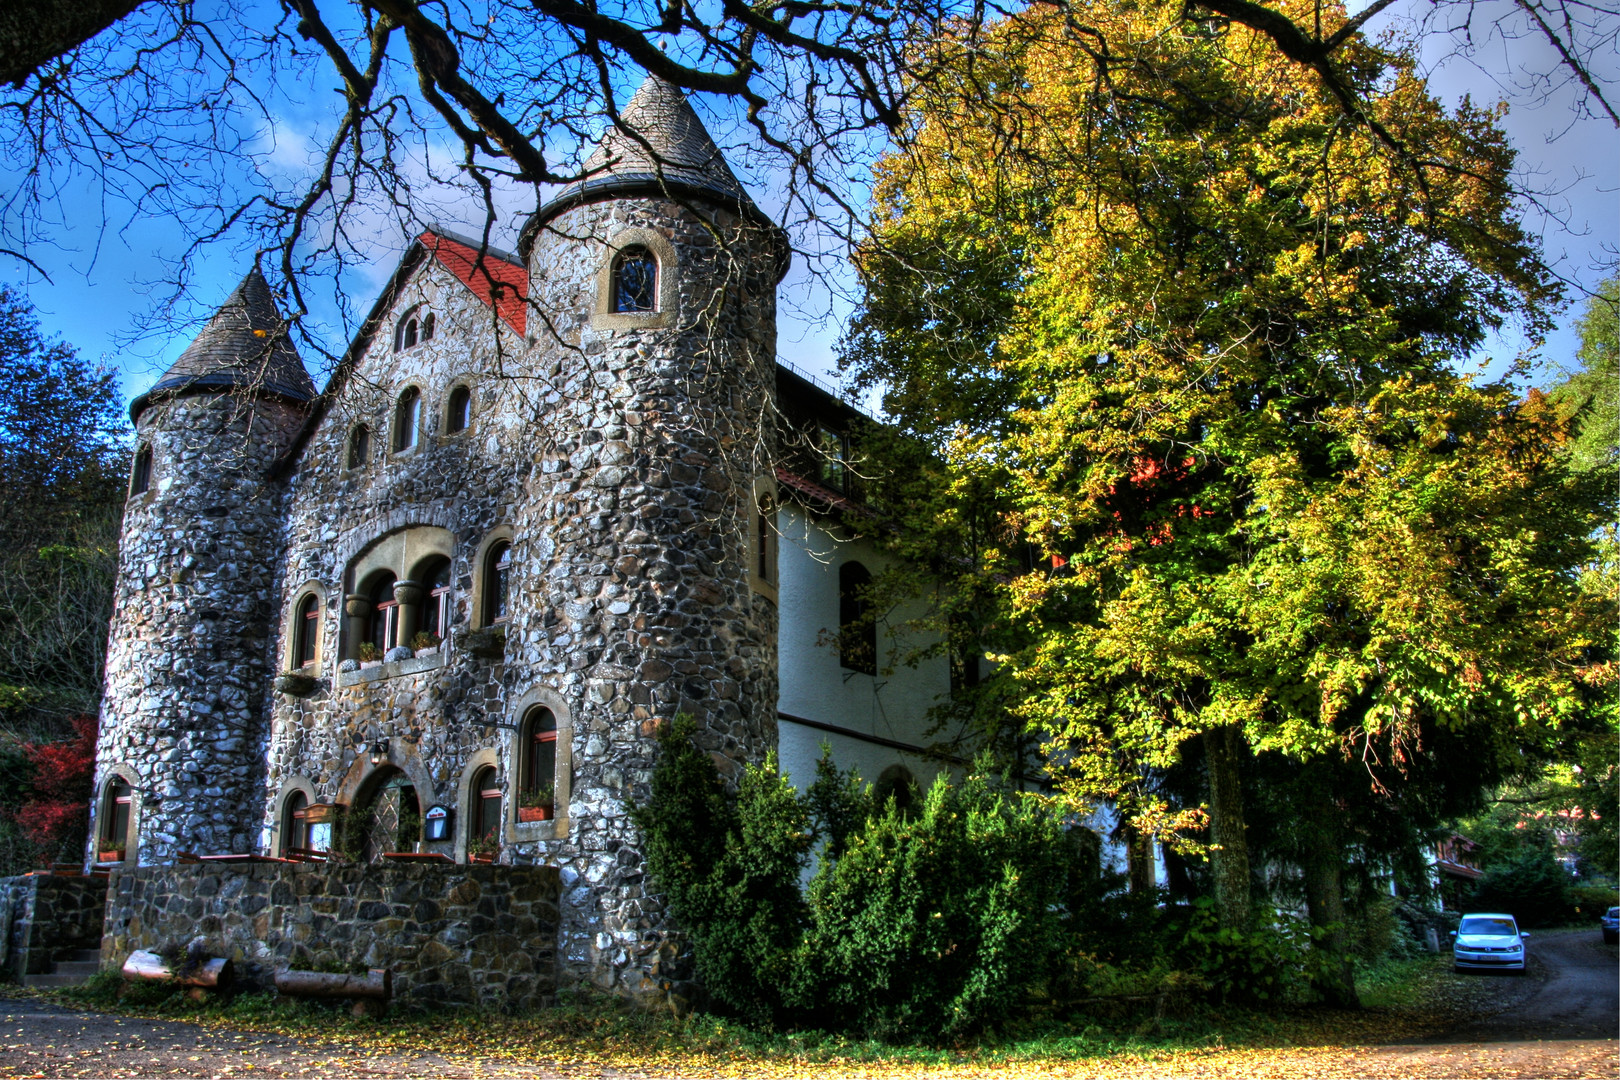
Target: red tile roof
x=497 y=281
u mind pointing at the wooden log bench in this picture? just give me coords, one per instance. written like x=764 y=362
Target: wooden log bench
x=370 y=992
x=198 y=977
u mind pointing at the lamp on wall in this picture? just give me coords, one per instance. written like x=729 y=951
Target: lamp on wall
x=379 y=752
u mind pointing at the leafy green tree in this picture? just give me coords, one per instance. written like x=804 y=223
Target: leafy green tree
x=61 y=495
x=1211 y=378
x=1593 y=392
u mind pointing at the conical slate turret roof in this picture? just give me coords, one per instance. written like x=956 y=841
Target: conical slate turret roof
x=659 y=144
x=245 y=345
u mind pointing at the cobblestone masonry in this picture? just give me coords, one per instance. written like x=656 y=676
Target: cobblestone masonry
x=188 y=664
x=635 y=603
x=451 y=935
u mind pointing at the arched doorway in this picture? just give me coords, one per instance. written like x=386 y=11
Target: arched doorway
x=388 y=813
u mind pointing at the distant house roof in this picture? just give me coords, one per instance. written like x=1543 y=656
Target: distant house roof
x=497 y=278
x=246 y=345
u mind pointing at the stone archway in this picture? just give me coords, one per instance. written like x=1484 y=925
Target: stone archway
x=390 y=813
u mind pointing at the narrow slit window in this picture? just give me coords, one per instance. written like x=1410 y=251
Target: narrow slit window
x=459 y=412
x=359 y=447
x=307 y=628
x=497 y=583
x=428 y=322
x=407 y=419
x=765 y=549
x=635 y=281
x=140 y=479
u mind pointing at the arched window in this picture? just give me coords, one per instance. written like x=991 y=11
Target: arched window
x=765 y=538
x=295 y=824
x=359 y=446
x=857 y=628
x=497 y=582
x=539 y=767
x=140 y=477
x=635 y=280
x=484 y=815
x=458 y=413
x=405 y=336
x=407 y=419
x=306 y=630
x=115 y=815
x=428 y=322
x=384 y=630
x=435 y=576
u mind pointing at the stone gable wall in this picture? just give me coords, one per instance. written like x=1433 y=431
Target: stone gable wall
x=433 y=721
x=452 y=935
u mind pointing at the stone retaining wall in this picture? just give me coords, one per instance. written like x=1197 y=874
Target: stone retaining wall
x=43 y=914
x=451 y=934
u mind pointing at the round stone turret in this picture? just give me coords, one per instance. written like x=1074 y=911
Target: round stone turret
x=180 y=758
x=659 y=277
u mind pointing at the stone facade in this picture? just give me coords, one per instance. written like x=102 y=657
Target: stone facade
x=618 y=452
x=44 y=914
x=451 y=935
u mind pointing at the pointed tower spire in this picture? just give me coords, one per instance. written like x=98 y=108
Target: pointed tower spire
x=658 y=145
x=245 y=345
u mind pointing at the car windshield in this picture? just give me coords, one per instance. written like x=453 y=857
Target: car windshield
x=1487 y=926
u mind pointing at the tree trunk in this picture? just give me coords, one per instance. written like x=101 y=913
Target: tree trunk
x=1323 y=866
x=1229 y=859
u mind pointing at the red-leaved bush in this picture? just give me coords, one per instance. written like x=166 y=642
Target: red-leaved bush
x=56 y=817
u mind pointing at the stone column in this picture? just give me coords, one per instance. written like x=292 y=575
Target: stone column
x=357 y=609
x=408 y=595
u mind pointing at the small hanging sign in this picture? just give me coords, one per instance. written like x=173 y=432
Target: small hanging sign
x=436 y=823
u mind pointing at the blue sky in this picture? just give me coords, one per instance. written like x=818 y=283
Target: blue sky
x=107 y=279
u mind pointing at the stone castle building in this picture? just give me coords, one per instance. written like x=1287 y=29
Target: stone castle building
x=547 y=502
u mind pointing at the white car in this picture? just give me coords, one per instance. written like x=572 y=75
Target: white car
x=1488 y=942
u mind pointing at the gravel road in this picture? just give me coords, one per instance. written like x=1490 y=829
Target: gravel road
x=1561 y=1020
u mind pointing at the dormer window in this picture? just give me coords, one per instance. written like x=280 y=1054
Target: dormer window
x=415 y=328
x=635 y=281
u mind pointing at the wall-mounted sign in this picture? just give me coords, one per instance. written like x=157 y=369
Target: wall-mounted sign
x=436 y=823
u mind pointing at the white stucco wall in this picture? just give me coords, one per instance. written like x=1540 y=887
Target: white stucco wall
x=892 y=705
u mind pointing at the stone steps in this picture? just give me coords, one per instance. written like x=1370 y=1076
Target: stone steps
x=72 y=967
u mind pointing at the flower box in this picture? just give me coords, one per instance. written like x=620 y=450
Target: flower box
x=534 y=813
x=116 y=855
x=484 y=857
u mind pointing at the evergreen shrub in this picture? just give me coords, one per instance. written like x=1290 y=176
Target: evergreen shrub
x=930 y=924
x=1532 y=887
